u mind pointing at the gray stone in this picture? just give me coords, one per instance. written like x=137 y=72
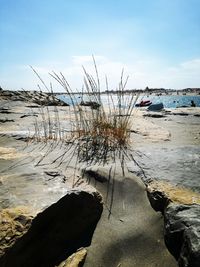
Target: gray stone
x=182 y=233
x=157 y=199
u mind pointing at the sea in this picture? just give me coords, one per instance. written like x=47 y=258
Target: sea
x=169 y=101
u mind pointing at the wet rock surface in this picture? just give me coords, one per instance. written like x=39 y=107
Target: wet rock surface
x=182 y=233
x=57 y=232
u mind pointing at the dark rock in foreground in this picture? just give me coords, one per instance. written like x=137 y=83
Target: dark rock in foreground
x=57 y=232
x=181 y=221
x=182 y=233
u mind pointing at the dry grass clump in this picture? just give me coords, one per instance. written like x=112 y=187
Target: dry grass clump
x=100 y=132
x=100 y=129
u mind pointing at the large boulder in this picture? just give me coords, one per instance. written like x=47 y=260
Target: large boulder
x=182 y=233
x=57 y=232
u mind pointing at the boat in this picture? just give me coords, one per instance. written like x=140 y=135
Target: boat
x=144 y=103
x=156 y=107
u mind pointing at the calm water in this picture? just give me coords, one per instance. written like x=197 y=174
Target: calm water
x=172 y=101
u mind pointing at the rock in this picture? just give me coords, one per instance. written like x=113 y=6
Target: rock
x=5 y=120
x=161 y=193
x=98 y=176
x=182 y=233
x=92 y=104
x=180 y=113
x=47 y=102
x=157 y=199
x=57 y=232
x=28 y=115
x=154 y=115
x=40 y=98
x=5 y=111
x=13 y=224
x=75 y=260
x=135 y=169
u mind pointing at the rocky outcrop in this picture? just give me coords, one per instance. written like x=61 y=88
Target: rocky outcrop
x=181 y=210
x=161 y=193
x=57 y=232
x=182 y=233
x=37 y=97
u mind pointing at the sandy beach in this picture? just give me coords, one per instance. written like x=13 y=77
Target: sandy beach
x=165 y=145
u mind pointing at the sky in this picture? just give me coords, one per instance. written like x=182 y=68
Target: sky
x=155 y=42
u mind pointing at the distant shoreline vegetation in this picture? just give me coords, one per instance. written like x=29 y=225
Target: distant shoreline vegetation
x=147 y=91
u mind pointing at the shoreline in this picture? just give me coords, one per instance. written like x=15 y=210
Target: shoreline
x=146 y=131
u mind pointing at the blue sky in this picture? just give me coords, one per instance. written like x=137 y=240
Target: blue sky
x=157 y=42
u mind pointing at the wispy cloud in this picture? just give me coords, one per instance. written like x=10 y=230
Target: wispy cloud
x=142 y=73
